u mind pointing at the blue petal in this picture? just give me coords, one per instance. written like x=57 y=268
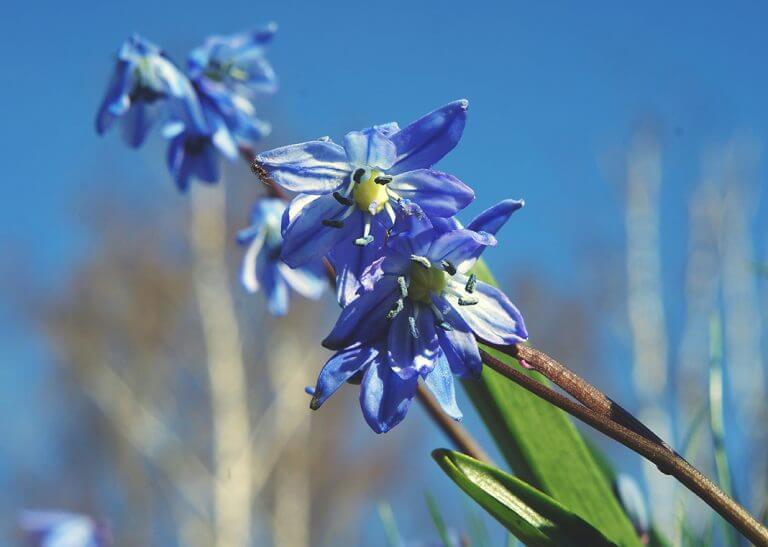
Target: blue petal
x=458 y=344
x=116 y=101
x=460 y=247
x=437 y=193
x=385 y=397
x=340 y=368
x=440 y=383
x=306 y=238
x=369 y=147
x=491 y=220
x=314 y=167
x=350 y=260
x=295 y=207
x=309 y=281
x=248 y=276
x=494 y=318
x=410 y=355
x=137 y=122
x=365 y=319
x=275 y=287
x=424 y=142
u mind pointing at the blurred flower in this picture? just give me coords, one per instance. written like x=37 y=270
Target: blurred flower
x=347 y=192
x=235 y=63
x=419 y=319
x=262 y=266
x=60 y=529
x=144 y=87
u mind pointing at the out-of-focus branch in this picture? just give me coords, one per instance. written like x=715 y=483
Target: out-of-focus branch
x=226 y=370
x=666 y=460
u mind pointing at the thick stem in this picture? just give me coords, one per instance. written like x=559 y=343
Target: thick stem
x=666 y=460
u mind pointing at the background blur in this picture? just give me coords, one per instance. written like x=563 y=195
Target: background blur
x=636 y=134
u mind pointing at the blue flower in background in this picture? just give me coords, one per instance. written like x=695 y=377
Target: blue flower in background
x=262 y=267
x=235 y=63
x=60 y=529
x=145 y=86
x=419 y=319
x=347 y=193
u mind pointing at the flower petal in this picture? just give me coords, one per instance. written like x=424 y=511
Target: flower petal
x=460 y=247
x=313 y=167
x=492 y=219
x=440 y=383
x=369 y=148
x=306 y=238
x=340 y=368
x=410 y=355
x=458 y=344
x=365 y=319
x=438 y=194
x=424 y=142
x=494 y=318
x=248 y=269
x=385 y=397
x=309 y=281
x=275 y=287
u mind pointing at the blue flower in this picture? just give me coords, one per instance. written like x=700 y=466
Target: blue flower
x=60 y=529
x=347 y=193
x=229 y=71
x=145 y=86
x=420 y=319
x=235 y=62
x=262 y=267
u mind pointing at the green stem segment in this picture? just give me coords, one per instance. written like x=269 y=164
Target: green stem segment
x=667 y=460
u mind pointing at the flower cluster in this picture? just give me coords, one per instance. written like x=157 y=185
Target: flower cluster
x=50 y=528
x=384 y=218
x=206 y=113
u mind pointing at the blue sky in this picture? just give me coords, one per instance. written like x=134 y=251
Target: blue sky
x=555 y=90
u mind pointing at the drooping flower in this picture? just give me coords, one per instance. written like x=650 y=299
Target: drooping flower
x=145 y=86
x=420 y=319
x=62 y=529
x=347 y=194
x=262 y=267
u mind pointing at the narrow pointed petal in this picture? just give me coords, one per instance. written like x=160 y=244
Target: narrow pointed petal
x=309 y=281
x=460 y=247
x=340 y=368
x=494 y=318
x=275 y=287
x=313 y=167
x=365 y=319
x=306 y=238
x=385 y=397
x=350 y=260
x=440 y=383
x=424 y=142
x=491 y=220
x=458 y=344
x=369 y=147
x=410 y=355
x=438 y=194
x=248 y=269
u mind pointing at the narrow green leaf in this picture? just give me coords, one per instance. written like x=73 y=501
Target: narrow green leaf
x=532 y=516
x=545 y=449
x=717 y=416
x=437 y=519
x=387 y=518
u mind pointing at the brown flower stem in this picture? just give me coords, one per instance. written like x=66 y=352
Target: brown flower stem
x=666 y=460
x=453 y=430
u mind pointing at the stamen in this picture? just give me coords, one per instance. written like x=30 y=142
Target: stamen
x=445 y=326
x=383 y=179
x=396 y=308
x=343 y=199
x=373 y=207
x=412 y=325
x=363 y=241
x=448 y=267
x=357 y=176
x=333 y=223
x=390 y=212
x=471 y=282
x=403 y=286
x=422 y=260
x=467 y=301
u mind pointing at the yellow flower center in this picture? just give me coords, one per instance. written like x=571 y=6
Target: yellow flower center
x=425 y=281
x=368 y=192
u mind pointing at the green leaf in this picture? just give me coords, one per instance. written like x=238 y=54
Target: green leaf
x=532 y=516
x=545 y=449
x=437 y=519
x=390 y=525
